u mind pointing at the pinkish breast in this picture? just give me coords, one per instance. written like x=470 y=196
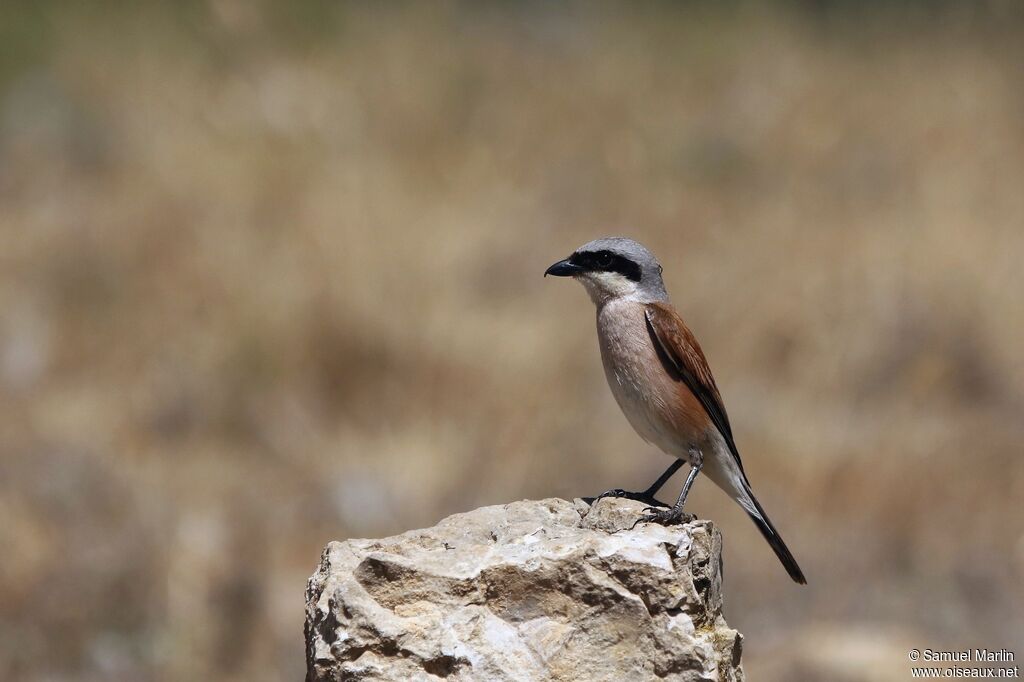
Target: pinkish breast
x=662 y=410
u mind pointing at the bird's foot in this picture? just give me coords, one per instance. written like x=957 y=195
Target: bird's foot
x=644 y=496
x=666 y=517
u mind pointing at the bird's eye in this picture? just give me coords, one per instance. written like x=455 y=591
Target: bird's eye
x=604 y=259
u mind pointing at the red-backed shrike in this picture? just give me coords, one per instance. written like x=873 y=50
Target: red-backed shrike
x=661 y=380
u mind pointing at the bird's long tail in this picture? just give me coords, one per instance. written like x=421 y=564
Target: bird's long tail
x=764 y=524
x=727 y=474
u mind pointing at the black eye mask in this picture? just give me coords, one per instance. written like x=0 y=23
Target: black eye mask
x=606 y=261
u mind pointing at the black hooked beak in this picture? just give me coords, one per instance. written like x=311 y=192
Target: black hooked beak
x=563 y=268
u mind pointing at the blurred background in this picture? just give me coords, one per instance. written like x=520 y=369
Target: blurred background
x=270 y=275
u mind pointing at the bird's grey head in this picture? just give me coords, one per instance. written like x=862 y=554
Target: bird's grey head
x=612 y=268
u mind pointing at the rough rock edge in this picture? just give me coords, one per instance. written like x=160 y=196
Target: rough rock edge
x=357 y=569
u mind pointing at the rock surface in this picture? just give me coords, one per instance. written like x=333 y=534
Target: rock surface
x=533 y=590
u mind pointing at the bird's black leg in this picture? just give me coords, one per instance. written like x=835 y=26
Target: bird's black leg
x=675 y=515
x=646 y=496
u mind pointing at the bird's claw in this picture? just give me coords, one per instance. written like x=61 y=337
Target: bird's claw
x=665 y=517
x=643 y=496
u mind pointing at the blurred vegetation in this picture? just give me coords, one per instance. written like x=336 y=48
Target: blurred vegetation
x=270 y=276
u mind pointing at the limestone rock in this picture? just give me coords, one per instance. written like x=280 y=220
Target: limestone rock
x=533 y=590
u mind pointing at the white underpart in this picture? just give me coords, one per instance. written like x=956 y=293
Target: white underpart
x=723 y=470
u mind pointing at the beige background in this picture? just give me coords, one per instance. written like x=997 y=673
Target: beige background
x=271 y=275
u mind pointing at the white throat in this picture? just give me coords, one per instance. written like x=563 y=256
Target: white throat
x=609 y=286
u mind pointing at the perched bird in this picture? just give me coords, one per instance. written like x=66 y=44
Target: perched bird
x=661 y=380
